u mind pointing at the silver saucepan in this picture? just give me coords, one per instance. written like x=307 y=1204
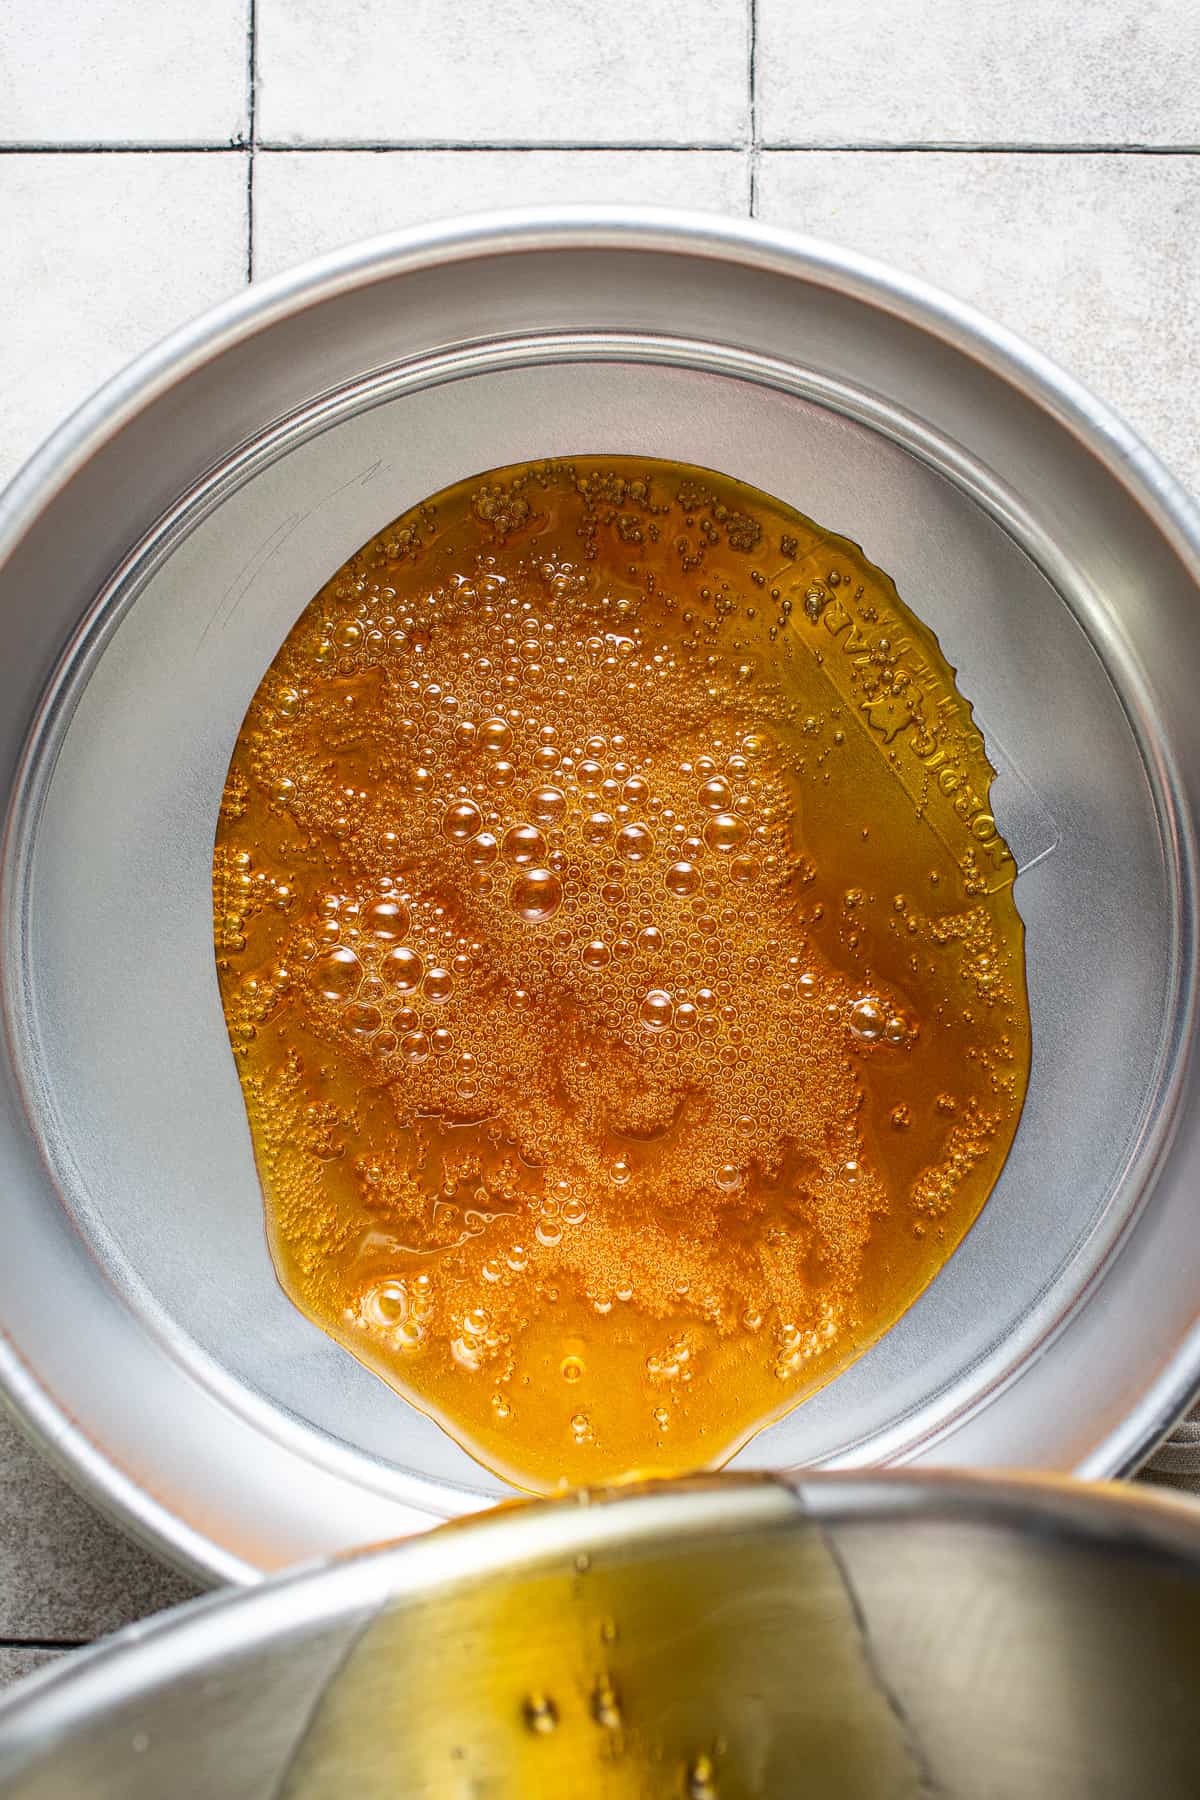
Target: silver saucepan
x=871 y=1638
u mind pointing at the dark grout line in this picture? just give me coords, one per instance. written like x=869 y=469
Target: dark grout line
x=997 y=149
x=252 y=127
x=234 y=148
x=526 y=146
x=753 y=80
x=321 y=146
x=36 y=1643
x=435 y=147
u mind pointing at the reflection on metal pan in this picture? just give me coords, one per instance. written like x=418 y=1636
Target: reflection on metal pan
x=889 y=1635
x=155 y=553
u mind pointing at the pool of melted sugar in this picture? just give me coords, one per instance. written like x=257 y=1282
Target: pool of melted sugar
x=621 y=962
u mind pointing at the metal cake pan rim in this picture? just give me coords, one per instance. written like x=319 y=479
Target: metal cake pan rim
x=39 y=482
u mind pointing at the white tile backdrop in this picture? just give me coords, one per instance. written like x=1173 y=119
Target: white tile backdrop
x=1058 y=72
x=503 y=71
x=306 y=202
x=123 y=72
x=103 y=254
x=1039 y=157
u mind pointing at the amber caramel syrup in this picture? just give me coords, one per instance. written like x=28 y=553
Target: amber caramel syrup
x=621 y=962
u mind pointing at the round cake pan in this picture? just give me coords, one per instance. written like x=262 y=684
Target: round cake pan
x=891 y=1637
x=155 y=553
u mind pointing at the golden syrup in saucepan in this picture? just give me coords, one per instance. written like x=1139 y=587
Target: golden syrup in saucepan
x=621 y=962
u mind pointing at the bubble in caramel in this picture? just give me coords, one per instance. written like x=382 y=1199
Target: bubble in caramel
x=621 y=962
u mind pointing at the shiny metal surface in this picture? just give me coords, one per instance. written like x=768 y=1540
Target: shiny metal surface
x=875 y=1637
x=154 y=555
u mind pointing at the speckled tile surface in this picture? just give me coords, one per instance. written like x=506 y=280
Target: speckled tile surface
x=1003 y=72
x=513 y=71
x=1043 y=161
x=66 y=1573
x=18 y=1660
x=306 y=204
x=104 y=255
x=110 y=72
x=1095 y=258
